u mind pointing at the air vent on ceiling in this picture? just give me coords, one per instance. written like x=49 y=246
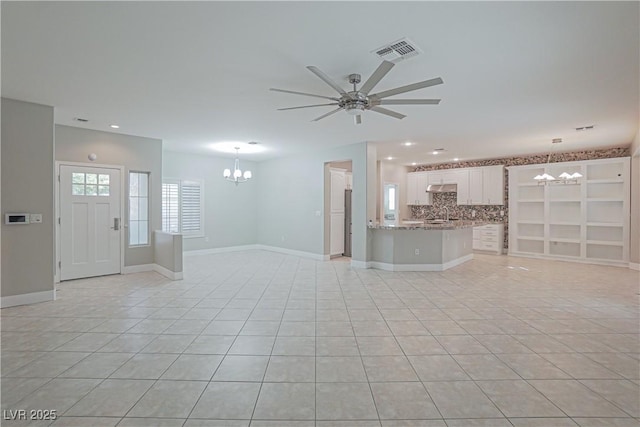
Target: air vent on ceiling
x=80 y=119
x=581 y=128
x=397 y=51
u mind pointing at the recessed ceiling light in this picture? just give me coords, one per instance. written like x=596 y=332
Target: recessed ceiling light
x=389 y=158
x=413 y=164
x=407 y=144
x=435 y=152
x=114 y=126
x=455 y=159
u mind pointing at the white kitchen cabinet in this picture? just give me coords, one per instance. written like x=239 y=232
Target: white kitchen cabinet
x=475 y=186
x=336 y=200
x=442 y=177
x=488 y=238
x=493 y=185
x=417 y=189
x=463 y=187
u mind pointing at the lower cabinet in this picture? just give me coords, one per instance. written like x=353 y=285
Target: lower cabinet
x=489 y=238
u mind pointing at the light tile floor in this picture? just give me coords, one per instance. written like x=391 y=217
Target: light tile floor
x=263 y=339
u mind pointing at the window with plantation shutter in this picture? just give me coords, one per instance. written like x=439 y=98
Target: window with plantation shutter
x=182 y=207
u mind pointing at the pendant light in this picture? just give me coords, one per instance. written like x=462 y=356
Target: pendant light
x=237 y=176
x=563 y=178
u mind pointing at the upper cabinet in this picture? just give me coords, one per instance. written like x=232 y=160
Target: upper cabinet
x=475 y=186
x=417 y=189
x=493 y=185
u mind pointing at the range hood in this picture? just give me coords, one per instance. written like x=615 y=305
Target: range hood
x=442 y=188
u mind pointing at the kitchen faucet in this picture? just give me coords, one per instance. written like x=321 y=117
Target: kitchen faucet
x=446 y=210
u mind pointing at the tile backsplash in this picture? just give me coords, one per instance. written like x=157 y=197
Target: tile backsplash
x=492 y=213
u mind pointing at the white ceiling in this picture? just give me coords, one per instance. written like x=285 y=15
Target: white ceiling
x=196 y=73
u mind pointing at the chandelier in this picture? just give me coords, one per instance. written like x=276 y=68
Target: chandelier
x=237 y=176
x=563 y=178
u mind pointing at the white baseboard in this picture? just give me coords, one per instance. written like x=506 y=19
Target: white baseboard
x=130 y=269
x=153 y=267
x=32 y=298
x=360 y=264
x=420 y=267
x=221 y=250
x=303 y=254
x=634 y=266
x=173 y=275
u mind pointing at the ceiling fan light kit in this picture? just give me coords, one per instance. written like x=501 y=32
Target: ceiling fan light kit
x=357 y=101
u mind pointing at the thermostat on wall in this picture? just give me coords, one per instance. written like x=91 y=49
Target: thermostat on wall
x=16 y=218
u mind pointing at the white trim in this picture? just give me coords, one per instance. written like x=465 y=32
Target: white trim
x=611 y=263
x=634 y=266
x=173 y=275
x=360 y=264
x=303 y=254
x=141 y=268
x=31 y=298
x=221 y=250
x=56 y=180
x=420 y=267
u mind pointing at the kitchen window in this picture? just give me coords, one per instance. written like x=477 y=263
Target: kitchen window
x=183 y=207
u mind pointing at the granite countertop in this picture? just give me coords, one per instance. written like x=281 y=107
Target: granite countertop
x=451 y=225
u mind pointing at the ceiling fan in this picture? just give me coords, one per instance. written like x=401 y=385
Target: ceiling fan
x=357 y=101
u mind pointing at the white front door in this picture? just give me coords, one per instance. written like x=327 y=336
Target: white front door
x=90 y=223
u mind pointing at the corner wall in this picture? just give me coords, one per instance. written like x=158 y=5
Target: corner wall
x=135 y=154
x=27 y=187
x=230 y=211
x=291 y=191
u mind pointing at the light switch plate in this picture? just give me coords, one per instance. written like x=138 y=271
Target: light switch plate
x=35 y=218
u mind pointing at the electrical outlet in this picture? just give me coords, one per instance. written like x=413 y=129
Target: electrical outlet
x=473 y=214
x=283 y=238
x=318 y=213
x=417 y=251
x=502 y=213
x=206 y=239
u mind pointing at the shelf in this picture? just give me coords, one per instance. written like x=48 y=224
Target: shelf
x=605 y=181
x=564 y=223
x=604 y=199
x=604 y=242
x=605 y=224
x=565 y=201
x=530 y=222
x=528 y=184
x=562 y=240
x=531 y=201
x=531 y=238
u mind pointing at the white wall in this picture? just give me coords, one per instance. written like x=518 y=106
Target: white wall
x=230 y=215
x=291 y=191
x=27 y=187
x=136 y=154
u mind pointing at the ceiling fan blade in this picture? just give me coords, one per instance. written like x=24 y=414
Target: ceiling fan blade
x=358 y=119
x=388 y=112
x=306 y=106
x=377 y=75
x=303 y=93
x=408 y=102
x=326 y=115
x=408 y=88
x=326 y=79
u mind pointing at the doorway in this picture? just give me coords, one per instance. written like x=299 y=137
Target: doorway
x=89 y=221
x=338 y=190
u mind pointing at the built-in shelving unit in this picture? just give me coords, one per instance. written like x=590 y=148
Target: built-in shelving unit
x=587 y=221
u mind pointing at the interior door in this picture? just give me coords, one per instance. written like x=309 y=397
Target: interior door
x=90 y=223
x=337 y=212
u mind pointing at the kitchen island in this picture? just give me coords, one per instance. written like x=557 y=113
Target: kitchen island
x=425 y=247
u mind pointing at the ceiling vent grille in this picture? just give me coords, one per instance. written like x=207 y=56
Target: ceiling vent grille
x=397 y=51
